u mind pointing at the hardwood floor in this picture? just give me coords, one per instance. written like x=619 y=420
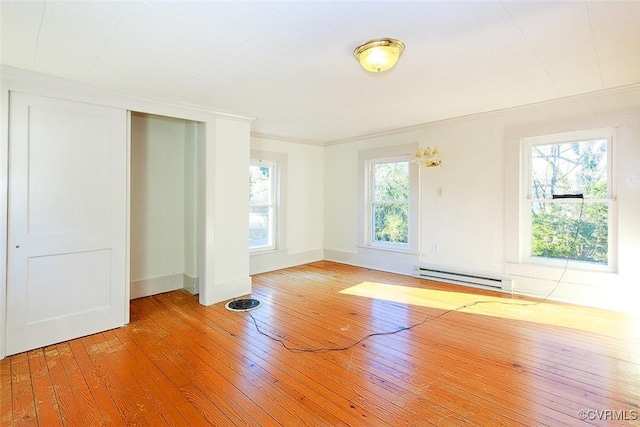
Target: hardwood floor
x=179 y=363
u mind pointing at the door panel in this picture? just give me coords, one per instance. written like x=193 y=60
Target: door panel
x=80 y=187
x=67 y=221
x=49 y=297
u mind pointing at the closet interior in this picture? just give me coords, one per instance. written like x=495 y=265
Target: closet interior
x=166 y=201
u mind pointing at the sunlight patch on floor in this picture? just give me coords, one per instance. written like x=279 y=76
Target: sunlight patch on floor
x=550 y=313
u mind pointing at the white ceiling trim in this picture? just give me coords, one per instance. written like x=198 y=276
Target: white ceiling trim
x=486 y=114
x=285 y=139
x=30 y=77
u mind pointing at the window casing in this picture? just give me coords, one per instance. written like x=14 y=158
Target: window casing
x=557 y=230
x=388 y=215
x=263 y=209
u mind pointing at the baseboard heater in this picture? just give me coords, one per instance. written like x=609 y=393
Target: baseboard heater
x=478 y=280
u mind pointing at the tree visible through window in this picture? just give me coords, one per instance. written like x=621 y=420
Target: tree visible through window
x=570 y=228
x=390 y=202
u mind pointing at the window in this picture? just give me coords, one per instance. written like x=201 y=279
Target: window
x=388 y=213
x=262 y=206
x=390 y=202
x=560 y=226
x=267 y=202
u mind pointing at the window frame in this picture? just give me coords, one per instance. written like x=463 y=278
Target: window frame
x=279 y=163
x=373 y=202
x=608 y=134
x=367 y=159
x=271 y=206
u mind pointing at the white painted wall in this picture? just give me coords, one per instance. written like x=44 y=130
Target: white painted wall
x=304 y=192
x=471 y=226
x=227 y=210
x=193 y=202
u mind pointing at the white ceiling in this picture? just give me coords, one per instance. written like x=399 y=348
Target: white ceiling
x=289 y=63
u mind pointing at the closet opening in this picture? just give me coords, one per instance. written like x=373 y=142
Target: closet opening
x=166 y=204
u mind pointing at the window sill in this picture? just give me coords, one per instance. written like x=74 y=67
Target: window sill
x=554 y=273
x=552 y=263
x=388 y=249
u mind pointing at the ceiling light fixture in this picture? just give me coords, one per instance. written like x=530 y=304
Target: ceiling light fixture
x=379 y=55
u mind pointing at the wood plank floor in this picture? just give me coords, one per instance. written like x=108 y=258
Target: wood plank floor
x=181 y=364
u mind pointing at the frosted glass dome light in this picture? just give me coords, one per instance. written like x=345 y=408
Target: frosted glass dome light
x=379 y=55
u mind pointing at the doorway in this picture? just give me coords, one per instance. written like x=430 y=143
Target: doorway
x=166 y=191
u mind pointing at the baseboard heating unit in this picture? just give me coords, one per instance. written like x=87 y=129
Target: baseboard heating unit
x=481 y=280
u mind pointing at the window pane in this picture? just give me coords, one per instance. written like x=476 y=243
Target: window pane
x=261 y=206
x=260 y=182
x=391 y=181
x=391 y=222
x=554 y=226
x=260 y=226
x=569 y=168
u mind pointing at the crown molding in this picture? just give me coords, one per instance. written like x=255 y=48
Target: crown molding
x=260 y=135
x=17 y=74
x=485 y=114
x=9 y=73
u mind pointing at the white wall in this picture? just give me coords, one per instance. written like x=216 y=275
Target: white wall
x=471 y=225
x=227 y=210
x=193 y=203
x=304 y=192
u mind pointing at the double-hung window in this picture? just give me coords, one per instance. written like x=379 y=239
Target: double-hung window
x=262 y=205
x=388 y=199
x=389 y=202
x=568 y=206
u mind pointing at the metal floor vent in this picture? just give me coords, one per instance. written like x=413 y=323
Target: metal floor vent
x=243 y=304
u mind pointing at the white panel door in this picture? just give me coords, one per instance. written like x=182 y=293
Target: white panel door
x=67 y=220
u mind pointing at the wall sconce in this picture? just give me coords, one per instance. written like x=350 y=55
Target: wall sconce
x=427 y=157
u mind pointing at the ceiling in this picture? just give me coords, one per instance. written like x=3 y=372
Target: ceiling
x=290 y=65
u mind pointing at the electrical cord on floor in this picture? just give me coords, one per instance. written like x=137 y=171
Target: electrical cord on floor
x=426 y=319
x=328 y=349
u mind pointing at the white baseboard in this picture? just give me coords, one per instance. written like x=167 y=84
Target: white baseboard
x=157 y=285
x=391 y=262
x=191 y=284
x=270 y=261
x=223 y=291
